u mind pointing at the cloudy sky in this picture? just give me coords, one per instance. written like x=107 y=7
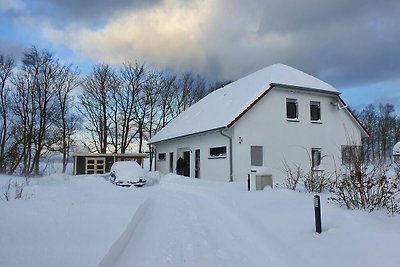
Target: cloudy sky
x=353 y=45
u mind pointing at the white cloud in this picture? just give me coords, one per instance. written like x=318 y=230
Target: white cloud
x=167 y=36
x=342 y=42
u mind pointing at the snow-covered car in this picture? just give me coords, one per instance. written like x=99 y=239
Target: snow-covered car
x=127 y=173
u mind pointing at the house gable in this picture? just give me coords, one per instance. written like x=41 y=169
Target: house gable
x=221 y=107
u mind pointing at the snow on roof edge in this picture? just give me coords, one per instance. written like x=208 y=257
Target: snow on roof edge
x=235 y=99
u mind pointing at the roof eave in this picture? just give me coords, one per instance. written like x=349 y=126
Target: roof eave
x=186 y=135
x=365 y=131
x=314 y=90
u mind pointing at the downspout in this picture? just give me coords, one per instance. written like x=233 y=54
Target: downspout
x=230 y=156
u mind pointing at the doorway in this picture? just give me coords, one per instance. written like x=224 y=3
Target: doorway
x=186 y=163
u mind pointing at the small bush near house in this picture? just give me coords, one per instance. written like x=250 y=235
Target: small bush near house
x=367 y=187
x=293 y=176
x=317 y=181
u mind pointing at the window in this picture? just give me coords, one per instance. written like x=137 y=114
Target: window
x=197 y=164
x=162 y=156
x=256 y=155
x=291 y=109
x=315 y=111
x=350 y=153
x=171 y=162
x=315 y=157
x=218 y=152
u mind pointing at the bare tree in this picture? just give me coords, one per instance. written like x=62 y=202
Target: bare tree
x=66 y=121
x=189 y=89
x=133 y=78
x=98 y=89
x=34 y=106
x=6 y=70
x=386 y=126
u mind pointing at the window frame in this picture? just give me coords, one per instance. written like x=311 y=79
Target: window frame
x=316 y=151
x=296 y=105
x=318 y=104
x=164 y=158
x=95 y=165
x=253 y=156
x=220 y=155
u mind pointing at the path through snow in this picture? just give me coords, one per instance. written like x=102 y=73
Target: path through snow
x=184 y=227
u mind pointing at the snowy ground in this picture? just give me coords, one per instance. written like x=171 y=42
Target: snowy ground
x=86 y=221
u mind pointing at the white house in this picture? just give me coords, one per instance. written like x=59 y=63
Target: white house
x=275 y=115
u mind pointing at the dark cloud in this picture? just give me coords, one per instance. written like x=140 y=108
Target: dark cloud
x=346 y=43
x=94 y=13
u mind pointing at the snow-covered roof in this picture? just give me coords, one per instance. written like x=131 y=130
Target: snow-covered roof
x=221 y=107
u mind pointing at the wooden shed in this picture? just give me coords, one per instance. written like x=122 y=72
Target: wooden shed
x=95 y=163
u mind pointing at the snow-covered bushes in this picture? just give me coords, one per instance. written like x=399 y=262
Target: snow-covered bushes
x=293 y=176
x=314 y=181
x=317 y=181
x=368 y=187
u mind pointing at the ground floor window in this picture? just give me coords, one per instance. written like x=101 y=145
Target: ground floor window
x=197 y=164
x=316 y=157
x=218 y=152
x=171 y=162
x=256 y=155
x=162 y=156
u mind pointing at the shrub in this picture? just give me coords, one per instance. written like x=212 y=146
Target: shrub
x=12 y=190
x=367 y=187
x=293 y=176
x=317 y=181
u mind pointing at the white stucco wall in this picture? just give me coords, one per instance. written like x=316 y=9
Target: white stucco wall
x=266 y=125
x=210 y=168
x=282 y=140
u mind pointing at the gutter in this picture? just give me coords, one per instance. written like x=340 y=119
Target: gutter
x=230 y=155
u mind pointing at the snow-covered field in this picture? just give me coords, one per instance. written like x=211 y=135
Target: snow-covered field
x=66 y=220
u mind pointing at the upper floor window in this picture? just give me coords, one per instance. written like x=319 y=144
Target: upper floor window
x=291 y=109
x=315 y=111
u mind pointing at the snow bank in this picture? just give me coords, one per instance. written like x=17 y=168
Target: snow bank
x=64 y=221
x=153 y=177
x=85 y=220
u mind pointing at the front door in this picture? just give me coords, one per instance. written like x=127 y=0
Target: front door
x=186 y=163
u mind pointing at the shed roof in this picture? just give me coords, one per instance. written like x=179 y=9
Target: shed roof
x=118 y=155
x=220 y=108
